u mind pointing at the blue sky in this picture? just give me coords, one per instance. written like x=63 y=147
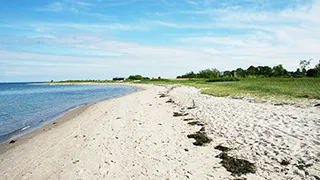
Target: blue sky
x=100 y=39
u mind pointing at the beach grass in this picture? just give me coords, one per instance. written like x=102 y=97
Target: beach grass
x=308 y=88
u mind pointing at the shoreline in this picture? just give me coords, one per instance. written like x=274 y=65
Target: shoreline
x=29 y=132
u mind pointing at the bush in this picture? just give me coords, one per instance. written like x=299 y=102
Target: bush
x=223 y=79
x=135 y=77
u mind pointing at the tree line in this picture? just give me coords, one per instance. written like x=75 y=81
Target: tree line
x=263 y=71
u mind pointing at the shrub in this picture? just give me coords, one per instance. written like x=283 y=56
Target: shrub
x=135 y=77
x=223 y=79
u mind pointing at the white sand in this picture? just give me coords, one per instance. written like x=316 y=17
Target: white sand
x=137 y=137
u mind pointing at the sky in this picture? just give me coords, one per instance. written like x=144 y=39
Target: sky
x=101 y=39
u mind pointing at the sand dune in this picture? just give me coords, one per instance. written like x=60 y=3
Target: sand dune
x=137 y=137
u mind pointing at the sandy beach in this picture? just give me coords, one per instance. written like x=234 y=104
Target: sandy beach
x=146 y=135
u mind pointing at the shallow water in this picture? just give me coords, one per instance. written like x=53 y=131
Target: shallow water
x=25 y=106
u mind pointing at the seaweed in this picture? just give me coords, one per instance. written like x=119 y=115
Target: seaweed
x=188 y=119
x=198 y=123
x=222 y=148
x=177 y=114
x=236 y=166
x=285 y=162
x=200 y=137
x=170 y=101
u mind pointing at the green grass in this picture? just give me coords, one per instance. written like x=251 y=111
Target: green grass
x=264 y=87
x=281 y=87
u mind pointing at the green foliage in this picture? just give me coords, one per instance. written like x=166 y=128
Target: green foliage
x=303 y=65
x=189 y=75
x=240 y=72
x=209 y=73
x=280 y=87
x=227 y=74
x=279 y=71
x=223 y=79
x=252 y=71
x=313 y=73
x=135 y=77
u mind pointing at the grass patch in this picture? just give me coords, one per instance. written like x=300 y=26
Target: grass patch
x=285 y=87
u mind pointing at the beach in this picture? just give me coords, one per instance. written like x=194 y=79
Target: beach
x=146 y=135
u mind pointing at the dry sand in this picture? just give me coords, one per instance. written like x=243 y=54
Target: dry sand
x=137 y=137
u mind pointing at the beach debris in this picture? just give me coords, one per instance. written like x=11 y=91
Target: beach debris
x=193 y=105
x=170 y=101
x=284 y=162
x=54 y=123
x=162 y=95
x=12 y=141
x=76 y=161
x=317 y=105
x=188 y=119
x=198 y=123
x=177 y=114
x=236 y=166
x=186 y=149
x=118 y=118
x=222 y=148
x=200 y=137
x=303 y=166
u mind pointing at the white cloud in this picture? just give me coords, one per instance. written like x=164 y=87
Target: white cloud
x=253 y=38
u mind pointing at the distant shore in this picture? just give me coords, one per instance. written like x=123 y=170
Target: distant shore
x=169 y=131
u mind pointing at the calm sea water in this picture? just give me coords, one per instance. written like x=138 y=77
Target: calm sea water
x=24 y=106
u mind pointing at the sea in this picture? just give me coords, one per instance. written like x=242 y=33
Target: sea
x=27 y=106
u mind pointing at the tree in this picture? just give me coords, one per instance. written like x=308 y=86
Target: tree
x=209 y=73
x=240 y=72
x=317 y=66
x=188 y=75
x=252 y=71
x=312 y=73
x=227 y=73
x=315 y=72
x=303 y=65
x=279 y=70
x=264 y=71
x=135 y=77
